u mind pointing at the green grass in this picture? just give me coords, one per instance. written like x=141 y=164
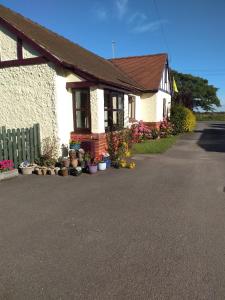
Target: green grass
x=219 y=116
x=154 y=146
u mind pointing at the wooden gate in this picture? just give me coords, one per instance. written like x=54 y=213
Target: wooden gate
x=20 y=144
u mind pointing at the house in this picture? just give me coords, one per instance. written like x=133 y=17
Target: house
x=72 y=92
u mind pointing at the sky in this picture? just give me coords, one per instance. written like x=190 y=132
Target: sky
x=190 y=31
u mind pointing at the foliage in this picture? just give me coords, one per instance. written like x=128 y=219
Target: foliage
x=49 y=153
x=74 y=142
x=154 y=146
x=140 y=132
x=165 y=128
x=182 y=118
x=6 y=165
x=195 y=91
x=119 y=143
x=219 y=116
x=189 y=121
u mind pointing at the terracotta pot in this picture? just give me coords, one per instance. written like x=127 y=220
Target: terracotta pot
x=37 y=171
x=66 y=162
x=57 y=169
x=64 y=172
x=51 y=171
x=74 y=162
x=44 y=171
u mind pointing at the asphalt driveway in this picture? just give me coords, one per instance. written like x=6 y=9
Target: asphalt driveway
x=156 y=232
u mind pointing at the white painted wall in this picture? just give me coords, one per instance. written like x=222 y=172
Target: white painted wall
x=8 y=45
x=64 y=109
x=152 y=106
x=27 y=96
x=28 y=52
x=97 y=110
x=159 y=100
x=148 y=107
x=138 y=108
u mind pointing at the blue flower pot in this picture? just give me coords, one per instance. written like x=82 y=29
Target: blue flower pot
x=75 y=146
x=108 y=162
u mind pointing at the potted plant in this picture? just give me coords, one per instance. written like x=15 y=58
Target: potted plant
x=26 y=168
x=75 y=145
x=66 y=162
x=102 y=165
x=107 y=159
x=64 y=172
x=93 y=166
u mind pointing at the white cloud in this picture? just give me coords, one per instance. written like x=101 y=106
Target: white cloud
x=137 y=17
x=142 y=27
x=121 y=6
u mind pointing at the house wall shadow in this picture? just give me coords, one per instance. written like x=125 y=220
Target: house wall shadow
x=213 y=139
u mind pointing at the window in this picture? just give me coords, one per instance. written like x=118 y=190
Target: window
x=81 y=110
x=131 y=108
x=164 y=109
x=113 y=110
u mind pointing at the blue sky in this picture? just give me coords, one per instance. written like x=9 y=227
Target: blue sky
x=191 y=31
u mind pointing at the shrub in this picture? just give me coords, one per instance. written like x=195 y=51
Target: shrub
x=49 y=153
x=190 y=121
x=119 y=143
x=140 y=132
x=165 y=128
x=182 y=119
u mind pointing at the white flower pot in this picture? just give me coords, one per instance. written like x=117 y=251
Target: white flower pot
x=102 y=166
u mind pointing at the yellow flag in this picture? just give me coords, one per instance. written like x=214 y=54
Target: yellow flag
x=175 y=86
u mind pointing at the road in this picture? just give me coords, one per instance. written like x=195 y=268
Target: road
x=156 y=232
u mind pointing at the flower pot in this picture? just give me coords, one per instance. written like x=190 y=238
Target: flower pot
x=37 y=171
x=27 y=170
x=51 y=171
x=57 y=169
x=44 y=171
x=108 y=162
x=102 y=166
x=66 y=162
x=75 y=146
x=93 y=169
x=64 y=172
x=74 y=162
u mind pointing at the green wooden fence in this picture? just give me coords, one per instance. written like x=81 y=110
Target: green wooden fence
x=19 y=145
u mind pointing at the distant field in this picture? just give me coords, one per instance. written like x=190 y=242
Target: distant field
x=218 y=116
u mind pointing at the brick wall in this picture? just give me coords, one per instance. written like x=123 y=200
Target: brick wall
x=95 y=143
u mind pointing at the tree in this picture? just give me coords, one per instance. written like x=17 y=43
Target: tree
x=195 y=91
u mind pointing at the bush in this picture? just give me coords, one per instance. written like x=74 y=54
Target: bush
x=140 y=132
x=182 y=119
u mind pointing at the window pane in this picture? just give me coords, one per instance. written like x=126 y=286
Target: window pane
x=82 y=119
x=81 y=99
x=106 y=100
x=133 y=110
x=120 y=102
x=129 y=109
x=106 y=115
x=120 y=118
x=114 y=102
x=115 y=117
x=78 y=100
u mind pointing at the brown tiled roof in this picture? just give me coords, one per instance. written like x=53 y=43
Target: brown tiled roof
x=67 y=52
x=146 y=70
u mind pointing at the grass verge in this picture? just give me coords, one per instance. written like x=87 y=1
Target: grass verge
x=154 y=146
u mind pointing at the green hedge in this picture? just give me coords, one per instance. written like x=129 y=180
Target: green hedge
x=183 y=119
